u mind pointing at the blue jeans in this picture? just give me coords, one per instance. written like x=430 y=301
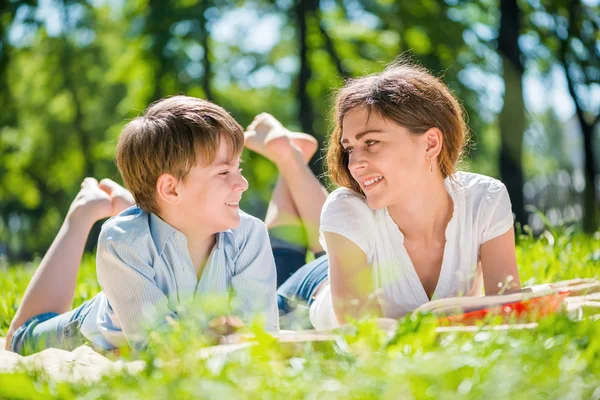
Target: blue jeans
x=51 y=330
x=296 y=280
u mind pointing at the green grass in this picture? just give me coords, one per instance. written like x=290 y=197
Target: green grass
x=560 y=359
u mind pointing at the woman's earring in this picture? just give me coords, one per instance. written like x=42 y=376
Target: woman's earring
x=430 y=166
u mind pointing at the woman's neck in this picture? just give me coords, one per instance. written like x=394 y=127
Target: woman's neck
x=424 y=214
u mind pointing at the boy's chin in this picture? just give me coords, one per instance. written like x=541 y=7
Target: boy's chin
x=231 y=223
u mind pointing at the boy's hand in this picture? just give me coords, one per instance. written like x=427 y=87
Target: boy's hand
x=224 y=325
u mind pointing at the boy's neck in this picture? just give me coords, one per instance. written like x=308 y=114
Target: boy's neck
x=199 y=241
x=200 y=250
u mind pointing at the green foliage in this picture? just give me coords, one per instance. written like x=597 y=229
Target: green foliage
x=69 y=85
x=560 y=359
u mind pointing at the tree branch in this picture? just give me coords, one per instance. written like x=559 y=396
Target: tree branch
x=596 y=121
x=207 y=76
x=85 y=138
x=564 y=49
x=330 y=47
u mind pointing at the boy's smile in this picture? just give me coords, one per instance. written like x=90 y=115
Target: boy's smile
x=210 y=194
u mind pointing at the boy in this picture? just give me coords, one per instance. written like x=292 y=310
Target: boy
x=186 y=236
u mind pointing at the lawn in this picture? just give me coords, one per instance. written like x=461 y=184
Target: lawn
x=559 y=359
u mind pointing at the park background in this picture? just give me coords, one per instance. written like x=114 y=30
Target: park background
x=72 y=73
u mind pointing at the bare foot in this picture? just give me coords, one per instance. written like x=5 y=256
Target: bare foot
x=268 y=137
x=91 y=203
x=308 y=144
x=121 y=197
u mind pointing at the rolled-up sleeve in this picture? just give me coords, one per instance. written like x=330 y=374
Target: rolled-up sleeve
x=254 y=283
x=127 y=279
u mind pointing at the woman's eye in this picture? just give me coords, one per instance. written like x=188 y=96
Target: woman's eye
x=347 y=150
x=371 y=142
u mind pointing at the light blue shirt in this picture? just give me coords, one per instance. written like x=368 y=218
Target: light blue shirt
x=147 y=276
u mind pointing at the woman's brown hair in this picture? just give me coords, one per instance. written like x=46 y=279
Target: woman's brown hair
x=408 y=95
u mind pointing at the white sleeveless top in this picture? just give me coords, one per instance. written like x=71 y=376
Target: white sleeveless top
x=482 y=211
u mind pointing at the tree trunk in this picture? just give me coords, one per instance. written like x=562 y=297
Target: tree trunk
x=305 y=111
x=512 y=116
x=207 y=76
x=157 y=27
x=590 y=203
x=303 y=9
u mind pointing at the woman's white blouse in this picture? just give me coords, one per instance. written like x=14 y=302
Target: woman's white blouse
x=482 y=211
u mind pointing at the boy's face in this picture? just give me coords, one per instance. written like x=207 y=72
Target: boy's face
x=210 y=194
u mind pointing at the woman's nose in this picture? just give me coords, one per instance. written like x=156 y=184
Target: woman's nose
x=357 y=161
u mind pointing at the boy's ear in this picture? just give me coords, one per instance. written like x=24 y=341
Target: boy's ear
x=166 y=188
x=433 y=142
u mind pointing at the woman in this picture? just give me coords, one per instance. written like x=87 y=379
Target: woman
x=404 y=227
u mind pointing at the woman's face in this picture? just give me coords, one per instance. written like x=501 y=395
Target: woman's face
x=388 y=162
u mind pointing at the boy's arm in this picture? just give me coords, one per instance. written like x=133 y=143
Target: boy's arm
x=128 y=282
x=255 y=280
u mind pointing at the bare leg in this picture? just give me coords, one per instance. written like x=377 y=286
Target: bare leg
x=298 y=194
x=283 y=217
x=52 y=286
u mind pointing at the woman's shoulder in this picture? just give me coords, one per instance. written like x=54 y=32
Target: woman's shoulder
x=347 y=213
x=489 y=203
x=476 y=186
x=342 y=193
x=344 y=200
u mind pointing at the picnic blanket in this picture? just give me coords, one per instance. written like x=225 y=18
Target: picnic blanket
x=85 y=364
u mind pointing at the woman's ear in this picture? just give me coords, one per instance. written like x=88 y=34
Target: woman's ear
x=433 y=142
x=166 y=189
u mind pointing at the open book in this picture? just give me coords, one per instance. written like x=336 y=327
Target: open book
x=534 y=302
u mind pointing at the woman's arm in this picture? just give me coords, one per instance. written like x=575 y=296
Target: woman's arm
x=350 y=278
x=499 y=262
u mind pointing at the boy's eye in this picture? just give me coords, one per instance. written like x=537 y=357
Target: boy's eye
x=228 y=172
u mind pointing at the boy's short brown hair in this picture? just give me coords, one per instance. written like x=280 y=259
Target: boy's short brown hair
x=168 y=138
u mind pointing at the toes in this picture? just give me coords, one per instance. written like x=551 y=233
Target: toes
x=108 y=185
x=89 y=182
x=252 y=124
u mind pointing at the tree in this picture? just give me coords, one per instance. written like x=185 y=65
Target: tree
x=512 y=116
x=567 y=31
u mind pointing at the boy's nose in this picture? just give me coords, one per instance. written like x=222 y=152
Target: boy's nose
x=240 y=184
